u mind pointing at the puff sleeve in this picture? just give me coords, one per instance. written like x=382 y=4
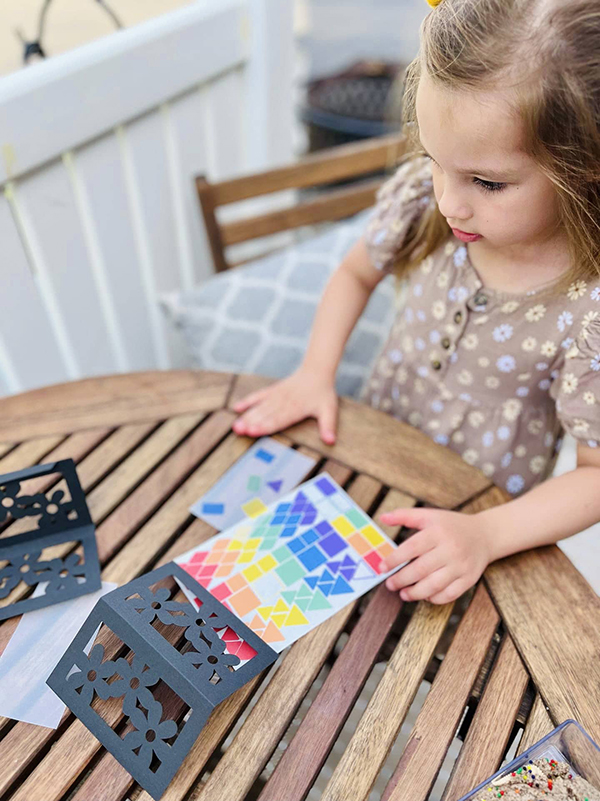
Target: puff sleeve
x=576 y=389
x=400 y=202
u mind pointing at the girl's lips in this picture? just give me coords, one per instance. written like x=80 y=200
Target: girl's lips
x=465 y=237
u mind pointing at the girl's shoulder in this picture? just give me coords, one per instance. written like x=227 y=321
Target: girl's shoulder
x=574 y=310
x=412 y=176
x=401 y=201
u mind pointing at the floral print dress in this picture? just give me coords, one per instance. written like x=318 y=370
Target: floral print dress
x=495 y=376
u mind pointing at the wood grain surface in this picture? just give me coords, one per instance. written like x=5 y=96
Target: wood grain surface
x=147 y=446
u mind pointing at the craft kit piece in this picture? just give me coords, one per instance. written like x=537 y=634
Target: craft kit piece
x=169 y=662
x=264 y=473
x=47 y=538
x=31 y=654
x=296 y=565
x=565 y=764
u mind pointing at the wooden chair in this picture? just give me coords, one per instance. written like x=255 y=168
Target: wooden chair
x=335 y=164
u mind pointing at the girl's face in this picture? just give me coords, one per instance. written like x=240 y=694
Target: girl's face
x=484 y=182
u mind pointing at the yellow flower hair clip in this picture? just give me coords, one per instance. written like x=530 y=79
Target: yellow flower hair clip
x=434 y=3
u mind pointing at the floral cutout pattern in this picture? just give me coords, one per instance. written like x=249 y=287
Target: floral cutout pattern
x=166 y=698
x=52 y=510
x=132 y=683
x=209 y=655
x=148 y=738
x=25 y=567
x=59 y=575
x=92 y=675
x=58 y=516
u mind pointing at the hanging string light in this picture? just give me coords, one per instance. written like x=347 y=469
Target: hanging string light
x=34 y=49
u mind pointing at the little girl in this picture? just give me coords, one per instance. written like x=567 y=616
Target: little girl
x=493 y=220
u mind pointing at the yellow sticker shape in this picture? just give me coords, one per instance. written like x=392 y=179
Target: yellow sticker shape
x=235 y=545
x=254 y=508
x=251 y=544
x=343 y=526
x=296 y=618
x=267 y=563
x=265 y=611
x=372 y=535
x=281 y=606
x=252 y=573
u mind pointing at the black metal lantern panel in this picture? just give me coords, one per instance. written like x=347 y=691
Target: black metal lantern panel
x=181 y=662
x=58 y=516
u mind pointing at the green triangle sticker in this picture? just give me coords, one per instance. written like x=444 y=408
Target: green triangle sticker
x=305 y=592
x=303 y=603
x=319 y=601
x=289 y=596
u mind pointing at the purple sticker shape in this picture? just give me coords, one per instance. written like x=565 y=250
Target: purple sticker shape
x=332 y=544
x=323 y=528
x=325 y=486
x=334 y=566
x=275 y=485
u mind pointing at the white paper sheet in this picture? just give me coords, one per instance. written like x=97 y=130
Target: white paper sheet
x=262 y=475
x=39 y=641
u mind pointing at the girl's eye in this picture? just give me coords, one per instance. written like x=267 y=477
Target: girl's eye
x=489 y=186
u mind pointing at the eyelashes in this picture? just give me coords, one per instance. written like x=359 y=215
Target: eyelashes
x=487 y=186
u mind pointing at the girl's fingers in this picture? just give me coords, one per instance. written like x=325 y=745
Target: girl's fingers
x=410 y=518
x=249 y=400
x=264 y=418
x=327 y=422
x=428 y=587
x=451 y=593
x=411 y=548
x=249 y=422
x=260 y=421
x=415 y=571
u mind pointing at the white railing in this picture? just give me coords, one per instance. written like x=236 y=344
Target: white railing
x=99 y=147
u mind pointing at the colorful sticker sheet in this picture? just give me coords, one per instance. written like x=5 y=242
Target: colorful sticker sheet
x=294 y=566
x=266 y=472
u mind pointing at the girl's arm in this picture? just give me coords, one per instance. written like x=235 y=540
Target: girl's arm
x=451 y=550
x=555 y=509
x=343 y=301
x=310 y=391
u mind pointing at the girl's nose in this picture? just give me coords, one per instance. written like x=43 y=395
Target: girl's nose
x=452 y=205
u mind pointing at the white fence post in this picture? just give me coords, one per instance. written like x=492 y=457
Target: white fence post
x=269 y=84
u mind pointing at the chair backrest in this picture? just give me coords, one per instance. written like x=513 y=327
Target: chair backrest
x=328 y=166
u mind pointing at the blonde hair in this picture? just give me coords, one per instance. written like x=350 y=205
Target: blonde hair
x=480 y=44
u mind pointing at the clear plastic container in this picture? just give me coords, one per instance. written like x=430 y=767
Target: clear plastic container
x=568 y=743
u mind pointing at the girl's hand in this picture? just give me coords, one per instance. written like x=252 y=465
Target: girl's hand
x=301 y=395
x=446 y=556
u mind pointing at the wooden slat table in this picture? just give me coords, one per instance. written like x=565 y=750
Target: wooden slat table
x=147 y=445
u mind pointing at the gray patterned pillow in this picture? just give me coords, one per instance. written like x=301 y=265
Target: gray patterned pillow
x=257 y=318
